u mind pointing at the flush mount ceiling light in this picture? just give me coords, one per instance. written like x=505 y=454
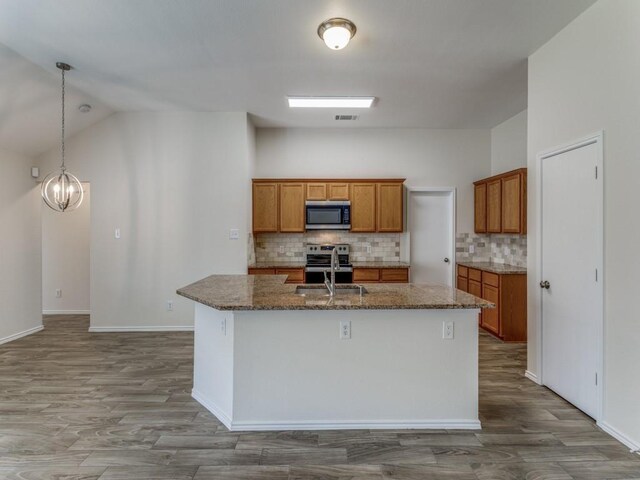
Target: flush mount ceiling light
x=331 y=102
x=336 y=32
x=61 y=190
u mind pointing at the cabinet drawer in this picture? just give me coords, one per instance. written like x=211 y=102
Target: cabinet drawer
x=364 y=275
x=475 y=274
x=262 y=271
x=491 y=279
x=295 y=275
x=463 y=271
x=394 y=275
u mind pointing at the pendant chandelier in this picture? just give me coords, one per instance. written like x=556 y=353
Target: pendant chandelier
x=61 y=190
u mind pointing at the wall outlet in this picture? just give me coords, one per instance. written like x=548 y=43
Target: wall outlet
x=58 y=293
x=170 y=306
x=234 y=234
x=117 y=233
x=368 y=248
x=472 y=248
x=223 y=326
x=345 y=329
x=447 y=330
x=281 y=248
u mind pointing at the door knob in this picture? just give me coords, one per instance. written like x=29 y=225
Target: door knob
x=545 y=284
x=446 y=260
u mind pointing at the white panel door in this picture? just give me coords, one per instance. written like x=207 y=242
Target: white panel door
x=431 y=230
x=571 y=253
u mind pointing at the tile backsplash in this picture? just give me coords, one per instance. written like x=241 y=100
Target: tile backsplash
x=510 y=249
x=292 y=247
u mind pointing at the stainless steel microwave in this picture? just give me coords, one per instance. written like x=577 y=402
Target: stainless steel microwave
x=328 y=215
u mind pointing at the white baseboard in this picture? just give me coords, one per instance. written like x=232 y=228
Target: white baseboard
x=159 y=328
x=332 y=424
x=532 y=376
x=213 y=408
x=66 y=312
x=621 y=437
x=18 y=335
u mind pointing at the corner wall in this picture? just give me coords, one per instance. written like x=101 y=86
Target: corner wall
x=584 y=80
x=509 y=144
x=174 y=184
x=20 y=252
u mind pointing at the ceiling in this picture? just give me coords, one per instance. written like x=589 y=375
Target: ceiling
x=430 y=63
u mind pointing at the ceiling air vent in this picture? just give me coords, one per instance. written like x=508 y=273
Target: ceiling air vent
x=347 y=117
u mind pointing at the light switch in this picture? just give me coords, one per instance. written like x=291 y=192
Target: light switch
x=117 y=233
x=234 y=234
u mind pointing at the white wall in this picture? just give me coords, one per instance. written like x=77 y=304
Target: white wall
x=65 y=258
x=586 y=79
x=174 y=183
x=509 y=144
x=426 y=158
x=20 y=248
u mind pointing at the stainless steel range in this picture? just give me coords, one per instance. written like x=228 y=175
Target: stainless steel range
x=319 y=261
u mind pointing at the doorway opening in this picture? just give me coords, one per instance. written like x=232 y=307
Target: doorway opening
x=66 y=259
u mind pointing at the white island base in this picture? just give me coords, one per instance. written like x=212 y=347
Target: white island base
x=290 y=370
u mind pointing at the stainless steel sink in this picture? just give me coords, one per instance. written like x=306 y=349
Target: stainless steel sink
x=321 y=290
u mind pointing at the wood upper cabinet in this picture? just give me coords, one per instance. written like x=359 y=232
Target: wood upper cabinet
x=327 y=191
x=292 y=207
x=338 y=191
x=513 y=198
x=363 y=207
x=377 y=205
x=265 y=207
x=500 y=203
x=480 y=208
x=494 y=206
x=316 y=191
x=390 y=207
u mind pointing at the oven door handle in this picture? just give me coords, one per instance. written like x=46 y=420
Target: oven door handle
x=328 y=269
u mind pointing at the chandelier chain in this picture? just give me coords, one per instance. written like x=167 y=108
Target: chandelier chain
x=63 y=167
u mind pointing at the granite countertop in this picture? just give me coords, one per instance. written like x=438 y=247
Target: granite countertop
x=269 y=292
x=499 y=268
x=277 y=264
x=381 y=264
x=301 y=264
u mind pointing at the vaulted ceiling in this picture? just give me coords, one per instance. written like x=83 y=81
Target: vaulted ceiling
x=431 y=63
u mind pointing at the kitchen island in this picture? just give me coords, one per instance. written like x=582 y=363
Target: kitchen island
x=268 y=358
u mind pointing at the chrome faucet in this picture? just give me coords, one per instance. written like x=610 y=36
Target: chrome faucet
x=335 y=267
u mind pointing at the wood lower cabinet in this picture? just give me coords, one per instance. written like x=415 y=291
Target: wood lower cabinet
x=500 y=203
x=294 y=275
x=491 y=316
x=265 y=207
x=292 y=208
x=381 y=275
x=508 y=321
x=363 y=207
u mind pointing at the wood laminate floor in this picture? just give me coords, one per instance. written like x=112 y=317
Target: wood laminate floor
x=116 y=406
